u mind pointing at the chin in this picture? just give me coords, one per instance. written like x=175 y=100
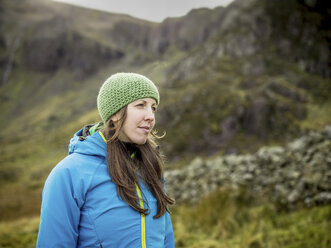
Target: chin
x=140 y=141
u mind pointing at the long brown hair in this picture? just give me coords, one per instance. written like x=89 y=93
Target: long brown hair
x=124 y=170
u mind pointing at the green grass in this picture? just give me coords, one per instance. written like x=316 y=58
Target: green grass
x=26 y=162
x=319 y=115
x=225 y=219
x=19 y=234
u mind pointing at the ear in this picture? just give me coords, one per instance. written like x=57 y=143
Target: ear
x=115 y=117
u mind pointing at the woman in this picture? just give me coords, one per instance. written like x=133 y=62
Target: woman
x=109 y=190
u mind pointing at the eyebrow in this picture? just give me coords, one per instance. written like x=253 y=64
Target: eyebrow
x=154 y=103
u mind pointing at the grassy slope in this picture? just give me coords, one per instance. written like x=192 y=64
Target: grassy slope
x=34 y=141
x=222 y=220
x=199 y=98
x=32 y=146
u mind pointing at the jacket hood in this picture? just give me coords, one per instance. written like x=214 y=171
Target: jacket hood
x=93 y=145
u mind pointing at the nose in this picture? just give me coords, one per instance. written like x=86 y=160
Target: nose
x=150 y=115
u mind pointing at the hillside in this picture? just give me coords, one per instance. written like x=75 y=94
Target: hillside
x=277 y=197
x=231 y=80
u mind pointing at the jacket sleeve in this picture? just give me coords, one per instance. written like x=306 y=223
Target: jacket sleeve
x=60 y=211
x=169 y=241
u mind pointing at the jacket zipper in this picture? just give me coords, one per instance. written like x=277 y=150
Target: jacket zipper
x=143 y=231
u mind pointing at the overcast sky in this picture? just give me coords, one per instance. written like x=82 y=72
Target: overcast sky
x=152 y=10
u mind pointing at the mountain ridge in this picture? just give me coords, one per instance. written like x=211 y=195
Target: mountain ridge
x=230 y=80
x=234 y=51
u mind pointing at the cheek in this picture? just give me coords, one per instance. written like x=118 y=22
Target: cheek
x=130 y=124
x=134 y=116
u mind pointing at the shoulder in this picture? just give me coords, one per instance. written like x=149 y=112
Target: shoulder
x=73 y=176
x=79 y=163
x=76 y=168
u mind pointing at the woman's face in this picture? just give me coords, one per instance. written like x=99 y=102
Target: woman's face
x=139 y=122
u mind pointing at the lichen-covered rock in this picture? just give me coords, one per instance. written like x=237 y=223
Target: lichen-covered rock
x=297 y=173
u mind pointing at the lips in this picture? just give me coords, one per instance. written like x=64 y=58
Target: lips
x=146 y=129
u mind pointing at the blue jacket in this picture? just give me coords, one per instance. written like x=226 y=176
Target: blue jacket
x=80 y=206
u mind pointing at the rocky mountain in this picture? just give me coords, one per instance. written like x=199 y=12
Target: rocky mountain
x=241 y=75
x=231 y=80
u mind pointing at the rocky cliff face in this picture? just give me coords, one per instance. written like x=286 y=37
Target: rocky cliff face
x=252 y=58
x=55 y=36
x=242 y=29
x=231 y=75
x=302 y=25
x=249 y=27
x=298 y=173
x=69 y=51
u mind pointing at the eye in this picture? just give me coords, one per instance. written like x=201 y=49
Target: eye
x=140 y=105
x=154 y=108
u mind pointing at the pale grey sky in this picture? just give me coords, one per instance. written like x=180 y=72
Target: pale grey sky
x=152 y=10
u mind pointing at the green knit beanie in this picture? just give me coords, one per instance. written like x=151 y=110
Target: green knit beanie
x=121 y=89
